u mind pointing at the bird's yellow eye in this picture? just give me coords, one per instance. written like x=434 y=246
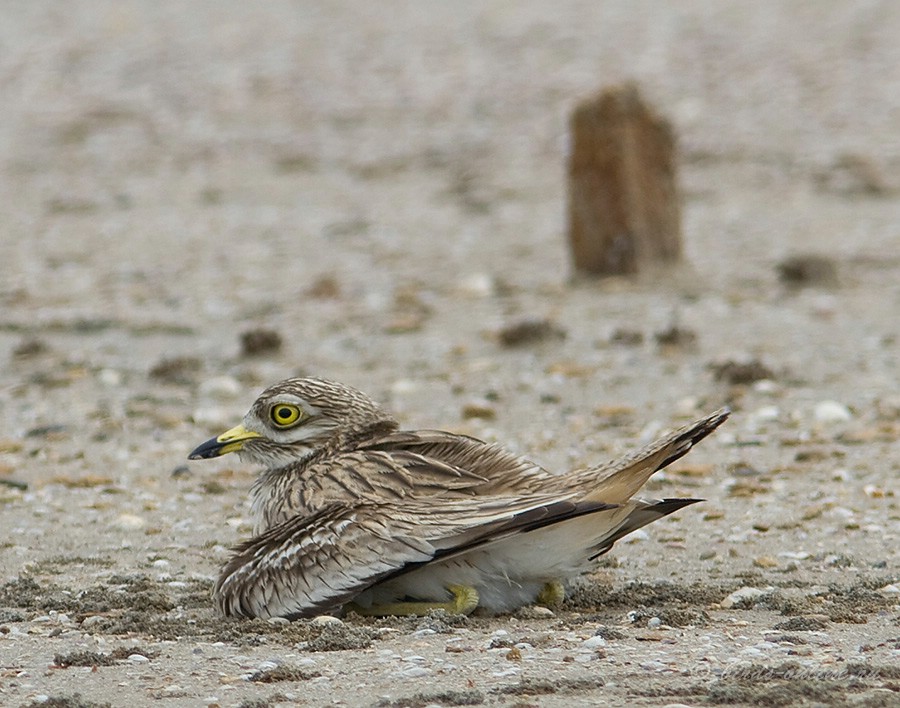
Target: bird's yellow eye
x=284 y=414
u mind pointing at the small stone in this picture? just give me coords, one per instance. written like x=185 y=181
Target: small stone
x=625 y=337
x=138 y=659
x=181 y=472
x=177 y=370
x=654 y=623
x=766 y=414
x=110 y=377
x=326 y=620
x=541 y=612
x=30 y=348
x=594 y=642
x=260 y=341
x=211 y=417
x=832 y=412
x=479 y=285
x=675 y=337
x=736 y=373
x=129 y=522
x=744 y=596
x=765 y=562
x=636 y=537
x=653 y=666
x=283 y=620
x=765 y=386
x=479 y=409
x=221 y=387
x=892 y=589
x=325 y=287
x=529 y=331
x=808 y=269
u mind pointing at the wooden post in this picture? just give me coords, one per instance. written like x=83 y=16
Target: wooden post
x=623 y=198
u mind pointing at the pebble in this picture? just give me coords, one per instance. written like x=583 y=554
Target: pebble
x=892 y=589
x=594 y=642
x=414 y=672
x=326 y=619
x=654 y=623
x=267 y=665
x=479 y=409
x=211 y=417
x=743 y=595
x=403 y=387
x=832 y=412
x=278 y=620
x=479 y=285
x=541 y=612
x=636 y=536
x=138 y=659
x=110 y=377
x=841 y=475
x=129 y=522
x=766 y=386
x=766 y=414
x=89 y=622
x=221 y=387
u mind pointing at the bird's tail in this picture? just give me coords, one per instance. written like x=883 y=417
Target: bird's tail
x=617 y=482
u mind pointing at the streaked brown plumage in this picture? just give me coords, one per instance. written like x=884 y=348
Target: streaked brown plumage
x=350 y=508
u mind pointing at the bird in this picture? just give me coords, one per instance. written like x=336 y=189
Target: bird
x=353 y=513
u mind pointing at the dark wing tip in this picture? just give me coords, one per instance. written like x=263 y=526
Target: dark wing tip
x=682 y=441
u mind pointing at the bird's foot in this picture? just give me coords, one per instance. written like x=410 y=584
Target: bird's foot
x=552 y=594
x=465 y=600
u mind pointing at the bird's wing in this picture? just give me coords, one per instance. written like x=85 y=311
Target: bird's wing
x=618 y=481
x=386 y=472
x=485 y=467
x=314 y=564
x=640 y=512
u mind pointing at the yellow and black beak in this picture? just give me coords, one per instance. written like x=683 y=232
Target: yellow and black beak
x=230 y=441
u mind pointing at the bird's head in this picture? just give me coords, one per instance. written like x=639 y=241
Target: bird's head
x=296 y=418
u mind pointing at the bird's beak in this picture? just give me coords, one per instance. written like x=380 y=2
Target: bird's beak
x=230 y=441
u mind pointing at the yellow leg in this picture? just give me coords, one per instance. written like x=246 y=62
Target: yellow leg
x=465 y=600
x=552 y=594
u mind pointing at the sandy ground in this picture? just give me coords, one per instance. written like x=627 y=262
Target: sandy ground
x=383 y=185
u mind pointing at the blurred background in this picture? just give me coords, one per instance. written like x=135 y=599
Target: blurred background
x=382 y=186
